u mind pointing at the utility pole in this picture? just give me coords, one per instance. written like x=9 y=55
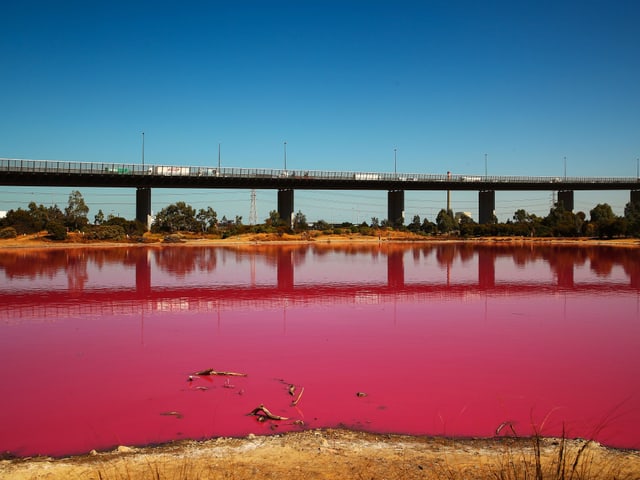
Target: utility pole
x=253 y=216
x=142 y=150
x=285 y=155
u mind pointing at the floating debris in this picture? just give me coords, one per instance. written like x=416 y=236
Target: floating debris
x=202 y=388
x=292 y=390
x=172 y=414
x=211 y=371
x=228 y=385
x=295 y=402
x=361 y=394
x=263 y=413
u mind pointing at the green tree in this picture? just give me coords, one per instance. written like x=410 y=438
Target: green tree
x=99 y=218
x=207 y=218
x=274 y=219
x=603 y=219
x=414 y=226
x=428 y=227
x=445 y=221
x=177 y=217
x=322 y=226
x=76 y=211
x=632 y=216
x=561 y=222
x=300 y=222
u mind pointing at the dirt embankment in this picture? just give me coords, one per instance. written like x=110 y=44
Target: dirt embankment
x=40 y=240
x=340 y=454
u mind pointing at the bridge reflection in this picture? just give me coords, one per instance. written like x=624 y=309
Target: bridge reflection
x=179 y=278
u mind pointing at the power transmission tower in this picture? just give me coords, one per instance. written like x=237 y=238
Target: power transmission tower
x=253 y=216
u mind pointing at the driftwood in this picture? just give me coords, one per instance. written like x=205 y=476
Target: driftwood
x=292 y=390
x=295 y=402
x=263 y=414
x=211 y=371
x=506 y=424
x=172 y=414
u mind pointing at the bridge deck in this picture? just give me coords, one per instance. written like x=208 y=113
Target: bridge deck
x=22 y=172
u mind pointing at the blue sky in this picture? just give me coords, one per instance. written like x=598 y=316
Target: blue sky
x=342 y=82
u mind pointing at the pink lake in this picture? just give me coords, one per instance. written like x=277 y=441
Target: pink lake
x=96 y=345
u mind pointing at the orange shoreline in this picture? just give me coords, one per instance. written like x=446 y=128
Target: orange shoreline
x=76 y=241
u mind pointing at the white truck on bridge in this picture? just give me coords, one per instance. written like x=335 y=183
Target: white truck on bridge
x=171 y=170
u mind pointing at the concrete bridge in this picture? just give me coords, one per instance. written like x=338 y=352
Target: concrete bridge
x=22 y=172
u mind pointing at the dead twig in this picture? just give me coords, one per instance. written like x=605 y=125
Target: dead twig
x=295 y=402
x=211 y=371
x=263 y=413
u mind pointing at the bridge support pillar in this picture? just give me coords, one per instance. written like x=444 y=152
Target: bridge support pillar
x=395 y=207
x=487 y=202
x=285 y=206
x=143 y=205
x=635 y=196
x=565 y=199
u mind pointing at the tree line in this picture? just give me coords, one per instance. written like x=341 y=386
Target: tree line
x=181 y=217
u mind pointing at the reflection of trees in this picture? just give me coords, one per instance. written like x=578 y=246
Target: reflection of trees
x=77 y=274
x=181 y=261
x=445 y=254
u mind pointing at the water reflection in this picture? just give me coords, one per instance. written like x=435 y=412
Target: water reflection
x=229 y=275
x=446 y=339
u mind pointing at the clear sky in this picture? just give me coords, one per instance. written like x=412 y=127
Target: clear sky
x=344 y=83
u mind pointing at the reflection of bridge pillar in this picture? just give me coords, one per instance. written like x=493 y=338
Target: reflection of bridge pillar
x=285 y=270
x=143 y=205
x=143 y=273
x=395 y=269
x=635 y=196
x=285 y=206
x=565 y=200
x=486 y=268
x=487 y=202
x=395 y=207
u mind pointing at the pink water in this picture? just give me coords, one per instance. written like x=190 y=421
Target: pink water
x=96 y=344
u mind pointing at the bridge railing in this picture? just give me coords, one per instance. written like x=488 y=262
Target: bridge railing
x=64 y=167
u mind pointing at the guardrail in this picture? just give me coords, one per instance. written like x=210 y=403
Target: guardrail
x=90 y=168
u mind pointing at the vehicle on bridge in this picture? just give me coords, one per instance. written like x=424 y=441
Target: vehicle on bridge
x=366 y=176
x=119 y=170
x=170 y=170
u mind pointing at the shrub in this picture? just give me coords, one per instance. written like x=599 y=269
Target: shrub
x=56 y=231
x=105 y=232
x=8 y=232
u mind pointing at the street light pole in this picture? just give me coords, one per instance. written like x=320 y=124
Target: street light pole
x=218 y=156
x=395 y=160
x=143 y=150
x=565 y=168
x=485 y=165
x=285 y=155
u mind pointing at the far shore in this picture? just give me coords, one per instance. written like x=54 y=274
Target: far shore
x=76 y=240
